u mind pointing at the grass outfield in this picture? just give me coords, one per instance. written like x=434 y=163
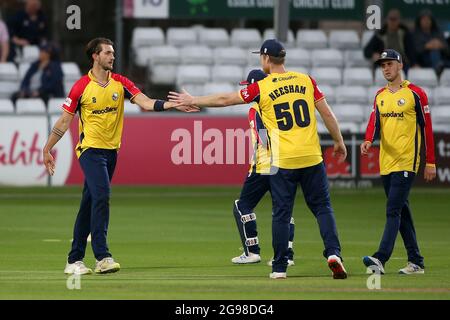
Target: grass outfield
x=176 y=243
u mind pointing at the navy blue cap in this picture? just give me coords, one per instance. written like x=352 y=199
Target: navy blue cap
x=273 y=48
x=389 y=54
x=253 y=76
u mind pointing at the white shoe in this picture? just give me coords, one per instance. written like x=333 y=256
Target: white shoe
x=106 y=265
x=290 y=263
x=412 y=268
x=77 y=267
x=277 y=275
x=337 y=267
x=373 y=265
x=244 y=259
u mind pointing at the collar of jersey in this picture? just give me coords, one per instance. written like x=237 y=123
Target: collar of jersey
x=404 y=84
x=93 y=78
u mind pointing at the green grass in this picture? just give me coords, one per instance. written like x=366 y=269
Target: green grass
x=176 y=243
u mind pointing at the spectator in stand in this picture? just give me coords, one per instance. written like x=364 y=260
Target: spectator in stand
x=28 y=27
x=394 y=35
x=432 y=48
x=44 y=78
x=4 y=41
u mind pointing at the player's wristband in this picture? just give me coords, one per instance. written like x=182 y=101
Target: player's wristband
x=159 y=105
x=432 y=165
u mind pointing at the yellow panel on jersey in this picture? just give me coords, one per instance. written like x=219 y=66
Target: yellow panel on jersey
x=101 y=109
x=287 y=105
x=400 y=133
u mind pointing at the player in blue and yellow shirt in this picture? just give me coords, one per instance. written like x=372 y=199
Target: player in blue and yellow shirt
x=287 y=102
x=98 y=98
x=256 y=185
x=400 y=117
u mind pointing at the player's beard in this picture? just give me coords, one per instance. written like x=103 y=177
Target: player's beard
x=106 y=66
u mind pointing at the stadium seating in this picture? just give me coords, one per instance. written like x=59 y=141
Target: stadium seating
x=349 y=113
x=71 y=71
x=351 y=94
x=30 y=54
x=441 y=96
x=144 y=37
x=344 y=39
x=312 y=39
x=327 y=58
x=196 y=54
x=441 y=115
x=270 y=34
x=193 y=89
x=181 y=36
x=7 y=88
x=298 y=57
x=246 y=38
x=355 y=59
x=231 y=55
x=26 y=106
x=163 y=74
x=445 y=78
x=193 y=74
x=54 y=105
x=227 y=73
x=330 y=76
x=423 y=77
x=6 y=106
x=365 y=38
x=8 y=72
x=23 y=68
x=131 y=108
x=214 y=37
x=163 y=55
x=358 y=76
x=329 y=93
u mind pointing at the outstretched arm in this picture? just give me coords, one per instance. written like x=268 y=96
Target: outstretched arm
x=149 y=104
x=214 y=100
x=57 y=133
x=330 y=121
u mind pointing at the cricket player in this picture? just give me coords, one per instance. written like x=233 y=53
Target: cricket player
x=256 y=185
x=98 y=98
x=400 y=117
x=287 y=102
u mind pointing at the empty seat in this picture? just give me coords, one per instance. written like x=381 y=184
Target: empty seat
x=442 y=96
x=30 y=54
x=348 y=113
x=299 y=69
x=131 y=108
x=71 y=71
x=441 y=128
x=327 y=58
x=214 y=37
x=230 y=55
x=54 y=105
x=8 y=72
x=330 y=76
x=355 y=59
x=23 y=69
x=7 y=88
x=218 y=87
x=227 y=73
x=163 y=73
x=163 y=55
x=371 y=92
x=270 y=34
x=344 y=39
x=6 y=106
x=196 y=55
x=329 y=92
x=193 y=89
x=181 y=36
x=423 y=77
x=311 y=39
x=366 y=36
x=358 y=76
x=441 y=115
x=430 y=94
x=246 y=38
x=298 y=57
x=147 y=36
x=193 y=74
x=30 y=106
x=351 y=95
x=445 y=78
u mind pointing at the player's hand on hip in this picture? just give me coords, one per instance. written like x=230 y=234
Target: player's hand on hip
x=181 y=99
x=430 y=173
x=365 y=146
x=340 y=151
x=49 y=162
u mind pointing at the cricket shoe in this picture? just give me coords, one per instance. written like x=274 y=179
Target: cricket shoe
x=244 y=259
x=106 y=265
x=412 y=268
x=290 y=263
x=373 y=265
x=277 y=275
x=77 y=267
x=337 y=267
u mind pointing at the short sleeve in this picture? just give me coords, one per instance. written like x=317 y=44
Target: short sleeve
x=70 y=105
x=251 y=93
x=318 y=94
x=129 y=87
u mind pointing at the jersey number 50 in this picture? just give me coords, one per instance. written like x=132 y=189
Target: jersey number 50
x=284 y=115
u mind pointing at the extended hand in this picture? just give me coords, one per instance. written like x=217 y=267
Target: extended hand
x=187 y=108
x=430 y=173
x=181 y=99
x=49 y=162
x=340 y=151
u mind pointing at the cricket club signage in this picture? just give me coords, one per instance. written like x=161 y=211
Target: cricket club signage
x=21 y=142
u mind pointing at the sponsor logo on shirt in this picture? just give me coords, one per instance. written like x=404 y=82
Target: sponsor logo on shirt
x=68 y=102
x=393 y=115
x=106 y=110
